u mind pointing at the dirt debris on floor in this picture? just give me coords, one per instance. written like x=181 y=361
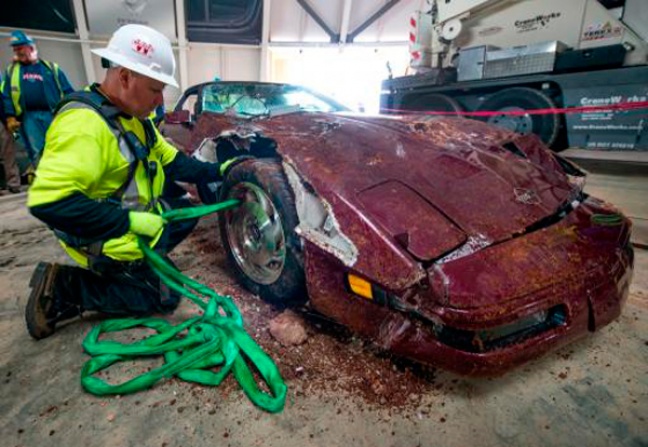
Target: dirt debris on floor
x=331 y=359
x=342 y=391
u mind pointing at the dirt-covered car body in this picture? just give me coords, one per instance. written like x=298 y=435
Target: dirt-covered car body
x=444 y=240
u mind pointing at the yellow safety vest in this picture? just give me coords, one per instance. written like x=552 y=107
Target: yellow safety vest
x=13 y=75
x=84 y=154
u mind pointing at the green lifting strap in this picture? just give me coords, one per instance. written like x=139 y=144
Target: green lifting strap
x=203 y=349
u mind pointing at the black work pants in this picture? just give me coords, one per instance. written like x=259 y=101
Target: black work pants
x=124 y=288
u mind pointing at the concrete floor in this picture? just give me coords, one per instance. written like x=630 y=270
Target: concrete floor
x=591 y=393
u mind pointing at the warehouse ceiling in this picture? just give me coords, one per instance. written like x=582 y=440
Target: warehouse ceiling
x=341 y=21
x=227 y=21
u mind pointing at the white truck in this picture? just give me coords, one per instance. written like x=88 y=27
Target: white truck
x=520 y=55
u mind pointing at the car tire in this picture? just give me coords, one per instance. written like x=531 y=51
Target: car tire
x=545 y=126
x=259 y=235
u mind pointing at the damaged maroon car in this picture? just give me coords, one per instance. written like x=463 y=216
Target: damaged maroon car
x=445 y=240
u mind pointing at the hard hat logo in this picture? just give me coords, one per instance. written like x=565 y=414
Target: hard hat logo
x=143 y=48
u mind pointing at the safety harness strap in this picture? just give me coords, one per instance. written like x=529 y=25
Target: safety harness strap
x=110 y=114
x=130 y=147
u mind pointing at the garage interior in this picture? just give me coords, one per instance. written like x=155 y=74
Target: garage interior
x=344 y=389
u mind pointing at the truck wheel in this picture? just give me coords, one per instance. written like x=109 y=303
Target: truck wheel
x=259 y=235
x=523 y=98
x=435 y=102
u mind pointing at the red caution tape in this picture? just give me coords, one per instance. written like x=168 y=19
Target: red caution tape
x=582 y=109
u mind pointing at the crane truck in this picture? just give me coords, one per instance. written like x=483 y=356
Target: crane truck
x=505 y=58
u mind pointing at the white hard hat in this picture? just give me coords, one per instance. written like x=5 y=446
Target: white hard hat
x=142 y=50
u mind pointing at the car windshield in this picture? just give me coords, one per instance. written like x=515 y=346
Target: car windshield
x=263 y=100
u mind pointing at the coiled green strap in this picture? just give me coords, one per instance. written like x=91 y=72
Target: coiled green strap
x=202 y=349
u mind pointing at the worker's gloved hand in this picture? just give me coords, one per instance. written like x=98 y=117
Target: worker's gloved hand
x=227 y=166
x=145 y=224
x=12 y=124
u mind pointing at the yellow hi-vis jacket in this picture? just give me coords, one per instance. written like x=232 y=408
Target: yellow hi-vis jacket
x=54 y=92
x=83 y=154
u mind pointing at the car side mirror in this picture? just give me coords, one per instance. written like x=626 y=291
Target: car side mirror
x=178 y=117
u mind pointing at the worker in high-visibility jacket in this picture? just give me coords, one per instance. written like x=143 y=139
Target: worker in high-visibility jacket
x=99 y=186
x=32 y=88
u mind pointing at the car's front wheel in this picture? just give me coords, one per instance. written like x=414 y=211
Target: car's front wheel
x=259 y=235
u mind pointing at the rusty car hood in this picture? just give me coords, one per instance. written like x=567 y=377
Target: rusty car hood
x=453 y=169
x=413 y=189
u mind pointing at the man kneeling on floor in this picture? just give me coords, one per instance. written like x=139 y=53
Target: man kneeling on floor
x=99 y=186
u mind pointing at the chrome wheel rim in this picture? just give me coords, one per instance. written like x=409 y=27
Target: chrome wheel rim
x=255 y=234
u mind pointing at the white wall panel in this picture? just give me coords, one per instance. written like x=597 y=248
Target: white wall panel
x=106 y=16
x=68 y=56
x=227 y=62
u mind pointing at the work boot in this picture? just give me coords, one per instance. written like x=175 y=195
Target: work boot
x=44 y=308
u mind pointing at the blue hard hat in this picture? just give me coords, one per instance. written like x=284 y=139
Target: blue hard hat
x=20 y=38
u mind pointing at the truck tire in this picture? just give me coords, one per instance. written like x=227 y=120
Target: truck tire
x=259 y=235
x=434 y=102
x=546 y=126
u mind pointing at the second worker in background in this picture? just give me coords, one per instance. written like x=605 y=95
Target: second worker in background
x=31 y=89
